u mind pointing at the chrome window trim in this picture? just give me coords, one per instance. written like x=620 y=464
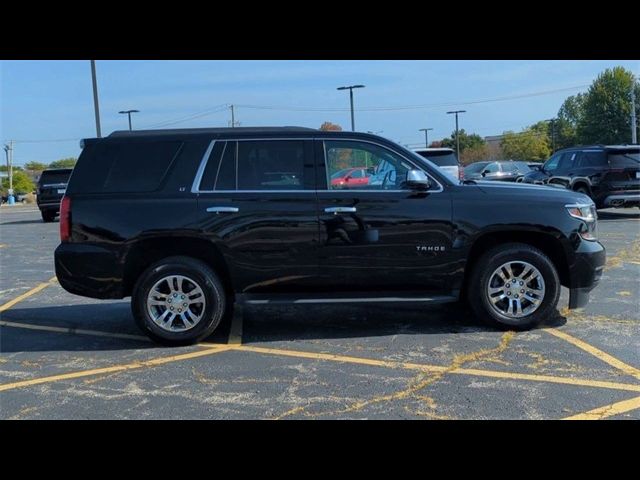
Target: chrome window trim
x=324 y=149
x=203 y=164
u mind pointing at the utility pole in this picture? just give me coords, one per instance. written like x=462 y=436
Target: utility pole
x=426 y=136
x=634 y=127
x=456 y=112
x=233 y=116
x=8 y=150
x=96 y=107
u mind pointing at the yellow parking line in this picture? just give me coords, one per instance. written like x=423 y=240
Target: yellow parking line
x=608 y=410
x=25 y=295
x=73 y=331
x=117 y=368
x=596 y=352
x=437 y=368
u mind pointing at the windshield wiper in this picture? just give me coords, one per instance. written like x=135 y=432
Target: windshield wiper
x=469 y=182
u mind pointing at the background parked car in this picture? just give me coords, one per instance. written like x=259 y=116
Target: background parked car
x=52 y=185
x=609 y=174
x=351 y=176
x=503 y=171
x=445 y=158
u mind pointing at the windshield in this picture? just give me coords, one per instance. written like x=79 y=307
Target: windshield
x=50 y=178
x=475 y=167
x=444 y=158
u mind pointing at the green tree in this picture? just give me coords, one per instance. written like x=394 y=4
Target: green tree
x=35 y=166
x=22 y=183
x=566 y=125
x=531 y=145
x=466 y=140
x=605 y=112
x=64 y=163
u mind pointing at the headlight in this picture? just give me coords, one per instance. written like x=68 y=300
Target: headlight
x=586 y=213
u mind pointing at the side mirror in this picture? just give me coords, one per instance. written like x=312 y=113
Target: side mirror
x=418 y=180
x=484 y=172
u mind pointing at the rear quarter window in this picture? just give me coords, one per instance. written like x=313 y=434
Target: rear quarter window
x=630 y=159
x=119 y=167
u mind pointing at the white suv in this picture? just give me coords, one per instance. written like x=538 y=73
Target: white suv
x=444 y=158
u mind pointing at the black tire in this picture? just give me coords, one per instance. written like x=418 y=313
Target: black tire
x=48 y=216
x=584 y=190
x=481 y=276
x=204 y=277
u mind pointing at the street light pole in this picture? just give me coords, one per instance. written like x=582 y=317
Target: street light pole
x=129 y=112
x=350 y=88
x=634 y=138
x=96 y=106
x=426 y=136
x=456 y=112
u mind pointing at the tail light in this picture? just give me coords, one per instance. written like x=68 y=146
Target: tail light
x=65 y=219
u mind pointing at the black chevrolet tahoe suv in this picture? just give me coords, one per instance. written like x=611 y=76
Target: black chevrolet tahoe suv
x=188 y=222
x=609 y=174
x=51 y=188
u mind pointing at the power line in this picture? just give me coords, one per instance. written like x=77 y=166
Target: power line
x=199 y=114
x=410 y=107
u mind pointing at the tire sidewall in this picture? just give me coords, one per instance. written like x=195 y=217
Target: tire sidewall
x=539 y=261
x=205 y=278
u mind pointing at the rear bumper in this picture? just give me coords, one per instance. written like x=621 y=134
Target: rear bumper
x=621 y=200
x=88 y=270
x=586 y=272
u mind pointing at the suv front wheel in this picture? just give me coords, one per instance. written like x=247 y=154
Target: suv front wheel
x=178 y=301
x=514 y=286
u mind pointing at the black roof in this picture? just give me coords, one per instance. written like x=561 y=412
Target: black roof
x=211 y=131
x=602 y=147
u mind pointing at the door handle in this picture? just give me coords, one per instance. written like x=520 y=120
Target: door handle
x=223 y=209
x=336 y=210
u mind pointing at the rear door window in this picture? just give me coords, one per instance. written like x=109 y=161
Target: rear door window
x=271 y=165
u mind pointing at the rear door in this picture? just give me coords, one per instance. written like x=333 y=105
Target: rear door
x=380 y=236
x=257 y=201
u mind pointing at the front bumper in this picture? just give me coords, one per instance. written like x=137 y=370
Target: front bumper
x=89 y=270
x=585 y=272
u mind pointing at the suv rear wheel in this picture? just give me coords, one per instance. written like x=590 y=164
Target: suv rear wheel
x=514 y=286
x=178 y=301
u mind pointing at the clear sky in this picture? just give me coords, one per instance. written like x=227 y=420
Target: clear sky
x=43 y=101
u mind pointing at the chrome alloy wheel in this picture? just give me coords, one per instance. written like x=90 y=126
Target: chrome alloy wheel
x=516 y=289
x=176 y=303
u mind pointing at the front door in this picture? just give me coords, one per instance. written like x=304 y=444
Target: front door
x=378 y=235
x=258 y=204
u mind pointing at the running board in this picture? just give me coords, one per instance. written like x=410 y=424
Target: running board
x=289 y=299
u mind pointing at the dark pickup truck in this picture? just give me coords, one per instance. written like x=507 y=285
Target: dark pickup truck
x=188 y=222
x=52 y=185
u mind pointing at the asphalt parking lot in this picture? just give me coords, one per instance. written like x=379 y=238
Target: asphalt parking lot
x=68 y=357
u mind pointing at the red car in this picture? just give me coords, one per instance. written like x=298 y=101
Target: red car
x=350 y=176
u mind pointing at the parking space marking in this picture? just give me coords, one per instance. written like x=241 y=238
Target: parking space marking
x=439 y=369
x=116 y=368
x=608 y=410
x=74 y=331
x=596 y=352
x=25 y=295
